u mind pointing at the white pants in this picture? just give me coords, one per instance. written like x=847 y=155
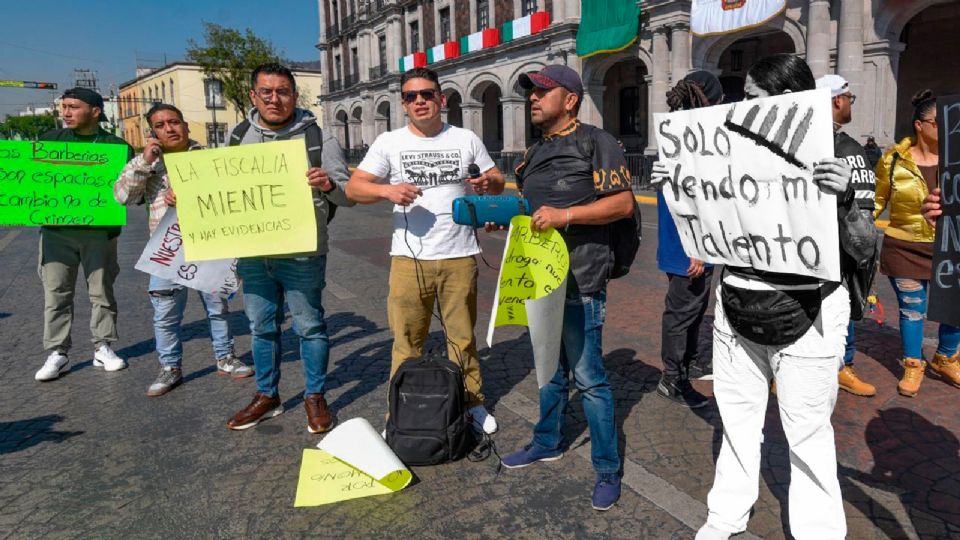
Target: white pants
x=806 y=376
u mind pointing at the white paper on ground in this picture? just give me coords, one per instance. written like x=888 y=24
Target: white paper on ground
x=357 y=444
x=163 y=257
x=545 y=321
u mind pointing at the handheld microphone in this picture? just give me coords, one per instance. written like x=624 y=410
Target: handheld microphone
x=473 y=171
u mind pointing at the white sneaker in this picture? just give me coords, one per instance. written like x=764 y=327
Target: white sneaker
x=107 y=359
x=53 y=366
x=708 y=532
x=482 y=420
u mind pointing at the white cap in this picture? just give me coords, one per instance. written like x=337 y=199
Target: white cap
x=837 y=84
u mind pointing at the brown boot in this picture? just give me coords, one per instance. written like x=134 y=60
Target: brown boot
x=319 y=418
x=913 y=369
x=261 y=408
x=947 y=368
x=850 y=382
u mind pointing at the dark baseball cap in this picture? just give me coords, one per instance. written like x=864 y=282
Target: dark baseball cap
x=551 y=77
x=89 y=97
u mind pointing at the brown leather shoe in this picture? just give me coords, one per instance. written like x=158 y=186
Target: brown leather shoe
x=261 y=408
x=319 y=418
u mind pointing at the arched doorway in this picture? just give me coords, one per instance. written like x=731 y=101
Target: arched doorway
x=741 y=54
x=492 y=118
x=454 y=109
x=343 y=129
x=382 y=122
x=625 y=103
x=926 y=62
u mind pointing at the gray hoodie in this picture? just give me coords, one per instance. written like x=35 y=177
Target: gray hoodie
x=333 y=163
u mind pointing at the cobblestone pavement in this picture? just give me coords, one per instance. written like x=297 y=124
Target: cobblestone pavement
x=91 y=456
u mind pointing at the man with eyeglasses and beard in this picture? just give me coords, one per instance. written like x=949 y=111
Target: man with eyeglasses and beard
x=421 y=168
x=298 y=278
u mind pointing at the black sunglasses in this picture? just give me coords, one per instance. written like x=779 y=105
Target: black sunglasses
x=411 y=96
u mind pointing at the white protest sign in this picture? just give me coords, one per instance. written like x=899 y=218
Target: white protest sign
x=163 y=257
x=741 y=189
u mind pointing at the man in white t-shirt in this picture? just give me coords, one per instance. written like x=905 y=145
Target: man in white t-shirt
x=422 y=168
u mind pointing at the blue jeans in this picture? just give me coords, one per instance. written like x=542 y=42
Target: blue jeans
x=850 y=348
x=912 y=298
x=581 y=351
x=169 y=300
x=266 y=283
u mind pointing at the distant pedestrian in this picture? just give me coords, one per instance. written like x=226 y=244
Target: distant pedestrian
x=144 y=181
x=873 y=151
x=64 y=250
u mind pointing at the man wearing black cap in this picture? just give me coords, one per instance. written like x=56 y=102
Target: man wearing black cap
x=577 y=181
x=63 y=250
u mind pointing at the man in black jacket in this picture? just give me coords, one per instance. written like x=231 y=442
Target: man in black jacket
x=863 y=182
x=63 y=250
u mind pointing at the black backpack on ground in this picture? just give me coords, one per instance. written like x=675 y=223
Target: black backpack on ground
x=626 y=233
x=427 y=424
x=313 y=136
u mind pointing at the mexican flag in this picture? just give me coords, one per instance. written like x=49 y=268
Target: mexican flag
x=483 y=39
x=710 y=17
x=414 y=60
x=444 y=51
x=607 y=26
x=525 y=26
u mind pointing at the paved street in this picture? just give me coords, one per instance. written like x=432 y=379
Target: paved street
x=91 y=456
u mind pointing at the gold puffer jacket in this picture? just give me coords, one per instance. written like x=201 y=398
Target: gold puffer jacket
x=904 y=193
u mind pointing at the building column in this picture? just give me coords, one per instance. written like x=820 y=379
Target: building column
x=591 y=112
x=850 y=58
x=363 y=56
x=473 y=117
x=657 y=97
x=398 y=116
x=514 y=124
x=395 y=46
x=679 y=51
x=818 y=37
x=368 y=128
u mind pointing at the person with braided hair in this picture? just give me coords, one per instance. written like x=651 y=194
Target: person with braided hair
x=906 y=176
x=688 y=280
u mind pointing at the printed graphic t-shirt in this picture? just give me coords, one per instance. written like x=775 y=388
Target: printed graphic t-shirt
x=438 y=166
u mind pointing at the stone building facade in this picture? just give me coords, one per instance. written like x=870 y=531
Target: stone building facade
x=888 y=49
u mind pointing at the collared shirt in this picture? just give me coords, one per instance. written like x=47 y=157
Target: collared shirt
x=142 y=182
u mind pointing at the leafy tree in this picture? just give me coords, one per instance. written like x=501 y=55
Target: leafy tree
x=28 y=127
x=230 y=56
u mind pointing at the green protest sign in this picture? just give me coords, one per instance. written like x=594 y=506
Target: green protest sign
x=60 y=183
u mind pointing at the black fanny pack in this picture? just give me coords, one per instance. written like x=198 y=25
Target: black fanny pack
x=772 y=317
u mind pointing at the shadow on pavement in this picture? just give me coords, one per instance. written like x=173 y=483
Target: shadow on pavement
x=23 y=434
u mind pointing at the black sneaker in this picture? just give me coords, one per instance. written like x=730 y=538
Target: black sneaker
x=680 y=391
x=700 y=372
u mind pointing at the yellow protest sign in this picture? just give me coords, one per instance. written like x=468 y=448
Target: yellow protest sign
x=244 y=201
x=534 y=265
x=325 y=479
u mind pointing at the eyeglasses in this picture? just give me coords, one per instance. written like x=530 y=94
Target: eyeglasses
x=266 y=94
x=931 y=121
x=851 y=97
x=411 y=96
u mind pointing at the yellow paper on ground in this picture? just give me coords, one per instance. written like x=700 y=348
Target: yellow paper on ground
x=534 y=265
x=353 y=461
x=244 y=201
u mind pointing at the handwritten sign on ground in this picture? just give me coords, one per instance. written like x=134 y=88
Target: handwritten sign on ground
x=60 y=183
x=741 y=188
x=353 y=461
x=531 y=289
x=945 y=282
x=244 y=201
x=163 y=257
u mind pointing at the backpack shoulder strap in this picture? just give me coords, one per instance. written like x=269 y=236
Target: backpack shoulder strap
x=314 y=140
x=236 y=136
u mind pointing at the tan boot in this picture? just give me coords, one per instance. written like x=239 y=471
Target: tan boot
x=947 y=368
x=850 y=382
x=913 y=369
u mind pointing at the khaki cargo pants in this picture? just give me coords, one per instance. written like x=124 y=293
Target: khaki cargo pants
x=62 y=253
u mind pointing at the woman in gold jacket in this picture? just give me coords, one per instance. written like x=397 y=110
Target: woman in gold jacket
x=905 y=176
